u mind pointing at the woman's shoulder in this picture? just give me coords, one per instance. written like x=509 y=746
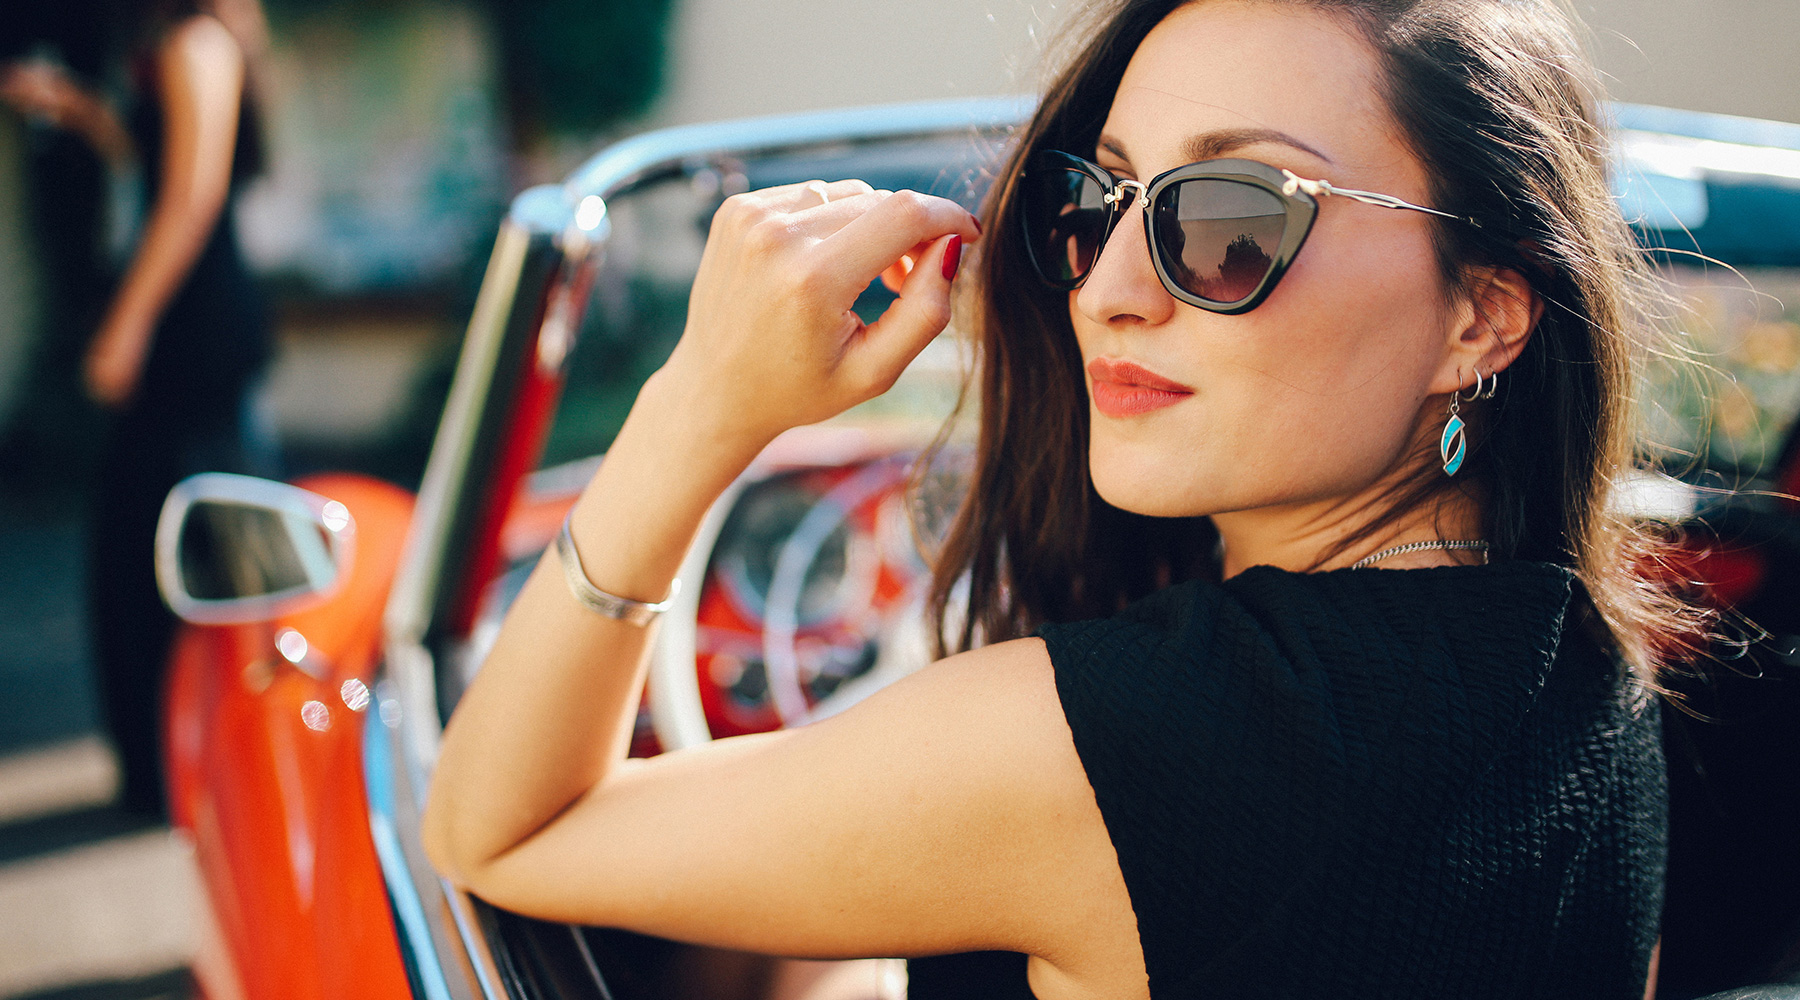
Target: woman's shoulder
x=196 y=37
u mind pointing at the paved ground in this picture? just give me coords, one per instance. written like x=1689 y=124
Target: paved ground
x=93 y=905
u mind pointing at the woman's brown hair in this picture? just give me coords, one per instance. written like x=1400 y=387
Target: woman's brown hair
x=1500 y=104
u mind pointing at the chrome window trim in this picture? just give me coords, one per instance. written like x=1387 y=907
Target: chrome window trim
x=408 y=905
x=451 y=960
x=410 y=601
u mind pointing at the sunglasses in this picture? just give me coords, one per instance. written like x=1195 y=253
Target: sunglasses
x=1221 y=232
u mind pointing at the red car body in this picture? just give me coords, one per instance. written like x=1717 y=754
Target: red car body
x=271 y=793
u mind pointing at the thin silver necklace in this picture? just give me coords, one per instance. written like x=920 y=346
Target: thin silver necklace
x=1438 y=543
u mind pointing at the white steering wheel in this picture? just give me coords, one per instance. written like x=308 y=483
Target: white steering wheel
x=676 y=710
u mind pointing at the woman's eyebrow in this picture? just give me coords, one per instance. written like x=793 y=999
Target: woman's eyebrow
x=1110 y=145
x=1212 y=145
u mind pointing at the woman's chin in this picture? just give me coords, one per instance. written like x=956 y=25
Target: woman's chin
x=1149 y=490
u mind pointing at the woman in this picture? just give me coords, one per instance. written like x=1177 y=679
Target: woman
x=182 y=340
x=1306 y=331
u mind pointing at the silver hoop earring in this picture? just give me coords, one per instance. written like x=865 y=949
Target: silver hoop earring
x=1493 y=385
x=1474 y=391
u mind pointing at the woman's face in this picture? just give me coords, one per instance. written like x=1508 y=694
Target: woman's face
x=1315 y=394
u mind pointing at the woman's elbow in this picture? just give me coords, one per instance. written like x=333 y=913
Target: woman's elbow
x=446 y=843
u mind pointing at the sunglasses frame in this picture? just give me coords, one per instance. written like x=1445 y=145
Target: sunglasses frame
x=1296 y=194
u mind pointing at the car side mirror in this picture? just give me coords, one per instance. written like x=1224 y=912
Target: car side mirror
x=235 y=549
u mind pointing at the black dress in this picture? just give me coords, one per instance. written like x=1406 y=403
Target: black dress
x=1366 y=783
x=186 y=415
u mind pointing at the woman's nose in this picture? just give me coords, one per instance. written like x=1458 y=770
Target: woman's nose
x=1123 y=286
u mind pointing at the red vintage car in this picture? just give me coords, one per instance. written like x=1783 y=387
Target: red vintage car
x=337 y=620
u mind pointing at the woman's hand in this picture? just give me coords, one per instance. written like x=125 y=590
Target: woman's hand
x=771 y=341
x=113 y=364
x=41 y=89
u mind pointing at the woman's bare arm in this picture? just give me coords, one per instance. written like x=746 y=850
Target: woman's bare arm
x=42 y=88
x=770 y=344
x=200 y=76
x=948 y=812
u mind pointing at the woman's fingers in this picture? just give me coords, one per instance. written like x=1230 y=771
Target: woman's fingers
x=836 y=190
x=846 y=241
x=812 y=194
x=870 y=243
x=895 y=276
x=813 y=208
x=921 y=312
x=771 y=337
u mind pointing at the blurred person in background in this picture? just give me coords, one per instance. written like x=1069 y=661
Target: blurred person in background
x=186 y=334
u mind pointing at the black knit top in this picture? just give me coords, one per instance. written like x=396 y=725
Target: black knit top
x=1373 y=783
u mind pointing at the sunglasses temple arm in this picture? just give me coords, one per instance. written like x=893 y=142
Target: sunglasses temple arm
x=1319 y=189
x=1389 y=201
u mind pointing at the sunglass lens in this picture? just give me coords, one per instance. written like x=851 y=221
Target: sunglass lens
x=1219 y=237
x=1065 y=223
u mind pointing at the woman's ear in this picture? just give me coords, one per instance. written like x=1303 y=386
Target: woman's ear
x=1495 y=323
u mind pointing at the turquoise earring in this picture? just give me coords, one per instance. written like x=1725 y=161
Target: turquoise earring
x=1453 y=446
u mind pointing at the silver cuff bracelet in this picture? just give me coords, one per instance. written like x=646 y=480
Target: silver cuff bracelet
x=632 y=612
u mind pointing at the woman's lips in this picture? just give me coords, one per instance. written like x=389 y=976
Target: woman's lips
x=1122 y=389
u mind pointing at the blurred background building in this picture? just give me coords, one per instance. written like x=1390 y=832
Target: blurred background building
x=398 y=130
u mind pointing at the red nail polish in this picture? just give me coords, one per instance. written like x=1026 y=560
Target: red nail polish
x=977 y=221
x=952 y=258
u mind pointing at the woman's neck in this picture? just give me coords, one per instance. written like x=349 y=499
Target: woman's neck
x=1312 y=536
